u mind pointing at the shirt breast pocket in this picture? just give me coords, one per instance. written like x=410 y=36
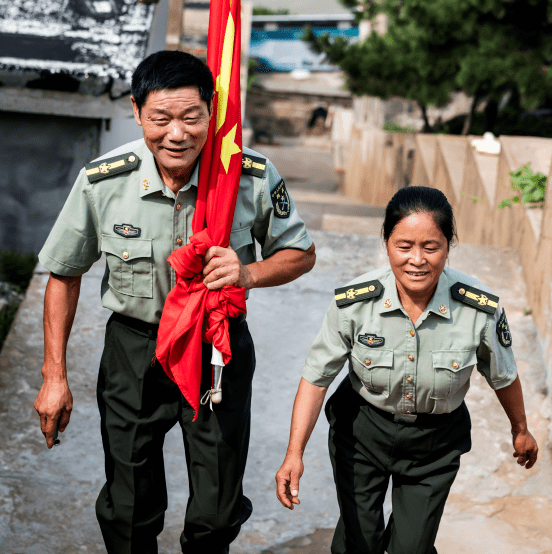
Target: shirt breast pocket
x=452 y=370
x=373 y=368
x=130 y=265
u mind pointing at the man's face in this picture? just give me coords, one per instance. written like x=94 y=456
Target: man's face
x=175 y=123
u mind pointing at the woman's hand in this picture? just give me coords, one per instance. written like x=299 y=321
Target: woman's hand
x=525 y=448
x=287 y=481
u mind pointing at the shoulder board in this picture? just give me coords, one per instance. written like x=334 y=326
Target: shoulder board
x=253 y=165
x=475 y=297
x=357 y=292
x=96 y=171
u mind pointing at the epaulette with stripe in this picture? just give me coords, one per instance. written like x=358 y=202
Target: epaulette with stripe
x=475 y=297
x=360 y=291
x=253 y=165
x=101 y=169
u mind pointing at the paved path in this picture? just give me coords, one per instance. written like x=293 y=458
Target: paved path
x=47 y=497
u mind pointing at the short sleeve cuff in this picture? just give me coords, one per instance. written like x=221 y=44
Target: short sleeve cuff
x=505 y=381
x=59 y=268
x=315 y=378
x=304 y=242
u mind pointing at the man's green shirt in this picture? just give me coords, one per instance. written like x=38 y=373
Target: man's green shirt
x=136 y=221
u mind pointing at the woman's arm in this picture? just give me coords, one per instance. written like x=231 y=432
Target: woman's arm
x=525 y=446
x=306 y=409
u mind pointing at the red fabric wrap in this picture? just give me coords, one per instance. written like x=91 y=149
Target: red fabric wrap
x=193 y=313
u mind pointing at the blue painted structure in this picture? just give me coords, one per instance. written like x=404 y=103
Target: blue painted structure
x=284 y=50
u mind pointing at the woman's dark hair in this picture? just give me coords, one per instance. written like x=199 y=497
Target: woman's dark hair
x=170 y=69
x=415 y=200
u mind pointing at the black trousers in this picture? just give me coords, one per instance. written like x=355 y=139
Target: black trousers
x=367 y=448
x=138 y=405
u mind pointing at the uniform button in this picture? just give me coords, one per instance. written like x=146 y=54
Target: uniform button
x=125 y=255
x=408 y=396
x=412 y=333
x=455 y=365
x=368 y=362
x=410 y=357
x=179 y=241
x=409 y=379
x=178 y=206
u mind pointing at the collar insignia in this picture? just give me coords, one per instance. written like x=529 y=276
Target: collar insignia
x=371 y=340
x=127 y=231
x=360 y=291
x=475 y=297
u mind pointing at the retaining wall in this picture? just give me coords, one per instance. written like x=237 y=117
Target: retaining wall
x=378 y=163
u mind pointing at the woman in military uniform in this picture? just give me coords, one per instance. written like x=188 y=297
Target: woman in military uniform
x=412 y=333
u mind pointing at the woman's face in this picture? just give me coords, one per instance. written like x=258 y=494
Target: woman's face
x=417 y=251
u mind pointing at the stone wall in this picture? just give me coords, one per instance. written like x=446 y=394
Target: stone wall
x=40 y=156
x=378 y=163
x=286 y=113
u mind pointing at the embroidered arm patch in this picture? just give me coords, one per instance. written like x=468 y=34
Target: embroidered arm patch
x=503 y=331
x=354 y=293
x=475 y=297
x=253 y=165
x=280 y=201
x=101 y=169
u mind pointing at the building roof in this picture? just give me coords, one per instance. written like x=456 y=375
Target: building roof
x=86 y=46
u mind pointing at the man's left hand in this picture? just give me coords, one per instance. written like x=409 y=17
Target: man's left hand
x=223 y=267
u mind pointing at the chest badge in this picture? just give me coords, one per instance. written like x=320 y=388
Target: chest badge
x=371 y=340
x=503 y=331
x=127 y=231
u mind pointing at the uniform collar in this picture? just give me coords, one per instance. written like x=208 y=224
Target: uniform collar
x=439 y=303
x=150 y=180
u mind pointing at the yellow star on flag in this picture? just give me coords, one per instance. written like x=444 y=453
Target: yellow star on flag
x=229 y=147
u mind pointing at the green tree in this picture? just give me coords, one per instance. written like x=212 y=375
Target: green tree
x=259 y=10
x=434 y=47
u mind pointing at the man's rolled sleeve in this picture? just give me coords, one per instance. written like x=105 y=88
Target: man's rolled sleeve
x=329 y=351
x=278 y=232
x=72 y=245
x=495 y=362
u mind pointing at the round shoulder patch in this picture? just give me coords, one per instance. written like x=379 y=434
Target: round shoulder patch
x=281 y=201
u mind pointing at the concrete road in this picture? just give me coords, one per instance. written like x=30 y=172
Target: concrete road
x=47 y=497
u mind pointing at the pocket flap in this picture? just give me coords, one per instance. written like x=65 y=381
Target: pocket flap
x=454 y=360
x=240 y=238
x=370 y=358
x=126 y=249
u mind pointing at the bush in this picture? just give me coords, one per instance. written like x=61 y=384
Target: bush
x=396 y=128
x=531 y=187
x=17 y=268
x=7 y=315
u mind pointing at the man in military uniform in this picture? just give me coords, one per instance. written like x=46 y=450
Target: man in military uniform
x=135 y=206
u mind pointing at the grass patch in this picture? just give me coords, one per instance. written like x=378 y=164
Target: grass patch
x=16 y=272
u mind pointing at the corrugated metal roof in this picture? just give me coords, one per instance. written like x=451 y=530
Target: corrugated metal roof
x=90 y=46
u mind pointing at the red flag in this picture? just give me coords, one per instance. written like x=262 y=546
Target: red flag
x=192 y=313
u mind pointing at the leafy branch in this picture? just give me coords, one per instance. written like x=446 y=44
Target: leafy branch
x=531 y=187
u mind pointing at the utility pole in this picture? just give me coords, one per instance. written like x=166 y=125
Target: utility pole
x=174 y=24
